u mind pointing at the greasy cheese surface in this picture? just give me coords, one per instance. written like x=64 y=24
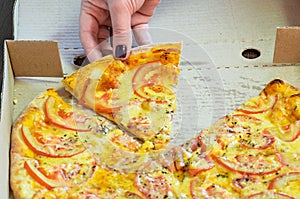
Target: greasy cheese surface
x=137 y=94
x=253 y=152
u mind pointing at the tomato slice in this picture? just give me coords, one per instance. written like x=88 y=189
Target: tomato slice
x=125 y=141
x=65 y=144
x=285 y=116
x=194 y=144
x=291 y=159
x=250 y=162
x=153 y=92
x=246 y=182
x=142 y=122
x=34 y=172
x=53 y=173
x=269 y=195
x=256 y=139
x=154 y=184
x=199 y=163
x=290 y=153
x=155 y=81
x=229 y=127
x=241 y=120
x=259 y=104
x=287 y=183
x=213 y=191
x=62 y=115
x=100 y=101
x=105 y=103
x=249 y=139
x=132 y=195
x=287 y=133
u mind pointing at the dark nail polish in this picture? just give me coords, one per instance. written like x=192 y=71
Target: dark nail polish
x=120 y=51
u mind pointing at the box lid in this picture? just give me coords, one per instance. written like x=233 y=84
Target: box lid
x=287 y=45
x=35 y=58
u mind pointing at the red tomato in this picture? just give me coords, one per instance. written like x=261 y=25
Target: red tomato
x=241 y=120
x=143 y=123
x=199 y=163
x=194 y=144
x=248 y=139
x=132 y=195
x=154 y=81
x=63 y=116
x=245 y=184
x=287 y=133
x=269 y=195
x=39 y=177
x=229 y=128
x=253 y=163
x=243 y=181
x=153 y=184
x=105 y=103
x=59 y=174
x=290 y=159
x=102 y=101
x=60 y=145
x=259 y=104
x=290 y=153
x=289 y=180
x=257 y=139
x=285 y=117
x=238 y=127
x=213 y=192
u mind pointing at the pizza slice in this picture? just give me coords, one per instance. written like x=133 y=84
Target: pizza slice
x=138 y=94
x=60 y=150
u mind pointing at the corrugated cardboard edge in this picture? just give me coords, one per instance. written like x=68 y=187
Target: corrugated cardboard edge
x=287 y=45
x=6 y=122
x=34 y=58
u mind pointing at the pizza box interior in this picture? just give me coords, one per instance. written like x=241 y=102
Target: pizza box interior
x=231 y=49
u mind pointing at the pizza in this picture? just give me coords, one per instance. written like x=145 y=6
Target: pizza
x=64 y=148
x=138 y=94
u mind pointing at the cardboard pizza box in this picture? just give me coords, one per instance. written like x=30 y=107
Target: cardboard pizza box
x=287 y=45
x=214 y=34
x=29 y=68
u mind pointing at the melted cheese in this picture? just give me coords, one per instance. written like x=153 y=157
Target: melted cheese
x=238 y=168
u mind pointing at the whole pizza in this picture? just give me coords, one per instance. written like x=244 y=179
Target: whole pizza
x=111 y=141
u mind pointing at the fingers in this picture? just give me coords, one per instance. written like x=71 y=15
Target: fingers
x=142 y=35
x=140 y=21
x=120 y=13
x=91 y=34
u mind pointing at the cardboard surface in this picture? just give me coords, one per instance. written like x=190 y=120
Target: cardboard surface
x=223 y=28
x=5 y=124
x=35 y=58
x=287 y=45
x=215 y=77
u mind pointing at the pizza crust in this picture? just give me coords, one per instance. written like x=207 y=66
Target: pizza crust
x=249 y=152
x=98 y=84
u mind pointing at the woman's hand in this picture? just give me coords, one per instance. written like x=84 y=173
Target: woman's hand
x=98 y=17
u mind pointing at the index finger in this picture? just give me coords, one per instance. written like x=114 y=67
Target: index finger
x=92 y=16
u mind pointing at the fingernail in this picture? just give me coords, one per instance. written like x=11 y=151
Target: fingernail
x=120 y=51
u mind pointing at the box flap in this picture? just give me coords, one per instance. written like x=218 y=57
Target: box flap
x=287 y=45
x=5 y=123
x=35 y=58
